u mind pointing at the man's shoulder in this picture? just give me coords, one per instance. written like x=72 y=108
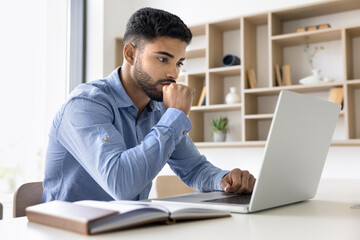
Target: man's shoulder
x=92 y=90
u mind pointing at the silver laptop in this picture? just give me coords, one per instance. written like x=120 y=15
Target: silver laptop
x=298 y=142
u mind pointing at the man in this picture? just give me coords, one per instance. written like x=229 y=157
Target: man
x=113 y=136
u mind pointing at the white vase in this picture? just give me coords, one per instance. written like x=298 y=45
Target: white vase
x=219 y=136
x=232 y=96
x=312 y=79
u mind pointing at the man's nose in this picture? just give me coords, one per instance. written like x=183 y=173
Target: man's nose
x=173 y=73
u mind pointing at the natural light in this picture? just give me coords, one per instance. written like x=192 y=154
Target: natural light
x=23 y=71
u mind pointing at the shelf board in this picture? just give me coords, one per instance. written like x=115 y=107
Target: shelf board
x=335 y=143
x=227 y=25
x=316 y=9
x=270 y=116
x=195 y=53
x=195 y=73
x=349 y=142
x=323 y=35
x=258 y=19
x=217 y=107
x=226 y=71
x=297 y=88
x=229 y=144
x=353 y=83
x=259 y=116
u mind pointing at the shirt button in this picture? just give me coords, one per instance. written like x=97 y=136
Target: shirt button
x=168 y=155
x=105 y=139
x=184 y=131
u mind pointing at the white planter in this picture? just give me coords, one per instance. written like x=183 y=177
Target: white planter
x=219 y=136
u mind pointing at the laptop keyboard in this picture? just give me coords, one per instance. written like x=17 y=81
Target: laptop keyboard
x=237 y=199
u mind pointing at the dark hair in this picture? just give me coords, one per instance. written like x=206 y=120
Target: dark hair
x=147 y=24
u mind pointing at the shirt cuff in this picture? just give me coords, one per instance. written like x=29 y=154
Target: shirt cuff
x=177 y=121
x=218 y=178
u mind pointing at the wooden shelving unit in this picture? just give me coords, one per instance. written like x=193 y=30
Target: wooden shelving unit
x=261 y=41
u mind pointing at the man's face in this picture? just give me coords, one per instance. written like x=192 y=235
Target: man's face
x=158 y=64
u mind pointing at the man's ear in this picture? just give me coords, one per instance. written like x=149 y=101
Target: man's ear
x=129 y=53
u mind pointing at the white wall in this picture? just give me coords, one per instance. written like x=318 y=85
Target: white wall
x=342 y=162
x=106 y=20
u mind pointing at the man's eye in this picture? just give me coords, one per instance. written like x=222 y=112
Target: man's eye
x=161 y=59
x=180 y=64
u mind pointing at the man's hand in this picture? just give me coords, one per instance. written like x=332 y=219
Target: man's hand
x=178 y=96
x=237 y=181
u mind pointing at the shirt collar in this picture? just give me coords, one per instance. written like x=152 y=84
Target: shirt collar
x=122 y=99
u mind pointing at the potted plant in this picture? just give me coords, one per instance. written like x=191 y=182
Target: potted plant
x=219 y=127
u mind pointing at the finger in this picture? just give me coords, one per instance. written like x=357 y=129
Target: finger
x=225 y=183
x=236 y=176
x=245 y=187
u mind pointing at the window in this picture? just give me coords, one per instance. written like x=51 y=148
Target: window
x=34 y=83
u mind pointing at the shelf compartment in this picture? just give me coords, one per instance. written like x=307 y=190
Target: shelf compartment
x=352 y=46
x=288 y=20
x=119 y=44
x=224 y=38
x=197 y=81
x=257 y=129
x=203 y=132
x=195 y=56
x=256 y=47
x=264 y=101
x=220 y=81
x=255 y=104
x=353 y=100
x=329 y=45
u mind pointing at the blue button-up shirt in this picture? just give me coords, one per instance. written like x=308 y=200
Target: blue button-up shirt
x=99 y=149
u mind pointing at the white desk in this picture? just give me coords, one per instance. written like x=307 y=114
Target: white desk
x=328 y=216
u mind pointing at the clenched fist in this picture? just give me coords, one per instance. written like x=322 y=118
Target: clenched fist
x=178 y=96
x=238 y=181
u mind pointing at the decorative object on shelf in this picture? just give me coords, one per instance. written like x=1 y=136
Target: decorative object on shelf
x=313 y=28
x=286 y=71
x=278 y=75
x=232 y=97
x=251 y=78
x=336 y=95
x=230 y=60
x=310 y=55
x=323 y=26
x=315 y=78
x=202 y=98
x=282 y=75
x=219 y=127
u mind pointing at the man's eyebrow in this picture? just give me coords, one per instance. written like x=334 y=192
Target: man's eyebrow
x=169 y=55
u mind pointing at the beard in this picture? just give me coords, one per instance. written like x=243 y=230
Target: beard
x=147 y=84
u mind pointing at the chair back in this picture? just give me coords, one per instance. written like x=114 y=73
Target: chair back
x=171 y=185
x=26 y=195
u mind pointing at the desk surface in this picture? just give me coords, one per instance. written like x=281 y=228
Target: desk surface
x=327 y=216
